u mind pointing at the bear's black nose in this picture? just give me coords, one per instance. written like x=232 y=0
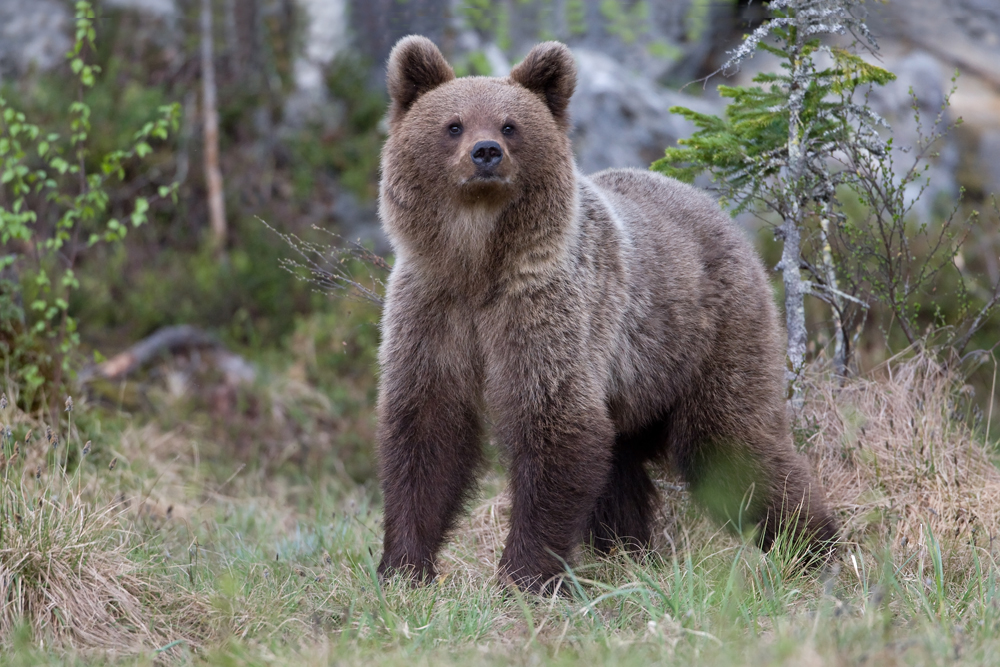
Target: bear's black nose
x=487 y=154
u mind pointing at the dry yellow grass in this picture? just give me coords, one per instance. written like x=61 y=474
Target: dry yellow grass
x=71 y=566
x=66 y=568
x=899 y=458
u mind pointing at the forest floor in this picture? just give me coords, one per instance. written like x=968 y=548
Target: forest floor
x=155 y=547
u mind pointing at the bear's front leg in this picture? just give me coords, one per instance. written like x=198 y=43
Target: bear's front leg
x=552 y=422
x=429 y=432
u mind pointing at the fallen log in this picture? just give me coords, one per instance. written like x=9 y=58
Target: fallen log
x=167 y=341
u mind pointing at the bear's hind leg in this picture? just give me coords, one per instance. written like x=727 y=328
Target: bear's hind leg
x=624 y=513
x=752 y=478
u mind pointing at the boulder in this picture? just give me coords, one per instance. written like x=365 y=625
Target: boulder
x=623 y=119
x=963 y=34
x=33 y=36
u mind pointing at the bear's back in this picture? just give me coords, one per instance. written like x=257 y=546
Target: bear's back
x=652 y=205
x=696 y=289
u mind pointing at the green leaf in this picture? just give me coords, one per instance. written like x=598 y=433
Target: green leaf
x=139 y=215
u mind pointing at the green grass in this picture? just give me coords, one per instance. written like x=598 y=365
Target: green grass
x=219 y=563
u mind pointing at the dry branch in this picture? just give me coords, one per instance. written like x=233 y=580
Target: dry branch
x=169 y=340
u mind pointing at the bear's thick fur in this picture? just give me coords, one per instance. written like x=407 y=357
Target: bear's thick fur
x=602 y=323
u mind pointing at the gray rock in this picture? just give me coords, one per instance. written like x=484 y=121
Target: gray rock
x=36 y=34
x=662 y=40
x=923 y=74
x=959 y=33
x=622 y=119
x=33 y=35
x=160 y=8
x=919 y=72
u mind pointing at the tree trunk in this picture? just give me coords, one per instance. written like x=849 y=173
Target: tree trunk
x=795 y=289
x=836 y=302
x=213 y=176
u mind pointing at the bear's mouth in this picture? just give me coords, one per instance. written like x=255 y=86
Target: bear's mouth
x=486 y=178
x=489 y=187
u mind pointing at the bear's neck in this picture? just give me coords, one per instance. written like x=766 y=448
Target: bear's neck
x=483 y=246
x=534 y=235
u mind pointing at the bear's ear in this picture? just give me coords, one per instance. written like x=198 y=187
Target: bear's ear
x=549 y=71
x=415 y=66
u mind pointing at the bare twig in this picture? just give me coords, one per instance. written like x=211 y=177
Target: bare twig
x=330 y=267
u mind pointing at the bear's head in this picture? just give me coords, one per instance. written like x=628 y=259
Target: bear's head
x=475 y=143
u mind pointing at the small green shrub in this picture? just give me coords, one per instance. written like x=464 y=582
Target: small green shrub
x=54 y=205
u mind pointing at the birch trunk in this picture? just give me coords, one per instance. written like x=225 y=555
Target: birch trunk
x=213 y=176
x=795 y=289
x=836 y=302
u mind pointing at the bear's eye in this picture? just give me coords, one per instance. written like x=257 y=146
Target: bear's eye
x=454 y=129
x=508 y=129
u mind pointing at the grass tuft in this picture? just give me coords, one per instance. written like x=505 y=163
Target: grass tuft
x=902 y=462
x=72 y=570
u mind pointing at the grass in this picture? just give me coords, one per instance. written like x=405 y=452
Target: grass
x=182 y=555
x=73 y=569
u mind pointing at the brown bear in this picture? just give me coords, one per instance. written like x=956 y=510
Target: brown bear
x=601 y=324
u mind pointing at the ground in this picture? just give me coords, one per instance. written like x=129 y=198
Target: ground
x=194 y=559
